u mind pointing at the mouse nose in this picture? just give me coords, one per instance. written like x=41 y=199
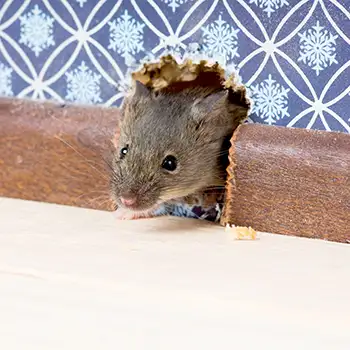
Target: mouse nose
x=128 y=201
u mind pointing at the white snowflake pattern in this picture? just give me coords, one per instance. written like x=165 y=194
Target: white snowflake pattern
x=83 y=85
x=317 y=48
x=126 y=35
x=269 y=6
x=270 y=100
x=220 y=39
x=5 y=80
x=174 y=4
x=81 y=2
x=37 y=30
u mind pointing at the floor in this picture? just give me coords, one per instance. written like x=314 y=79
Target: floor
x=72 y=278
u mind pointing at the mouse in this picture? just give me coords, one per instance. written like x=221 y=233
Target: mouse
x=172 y=147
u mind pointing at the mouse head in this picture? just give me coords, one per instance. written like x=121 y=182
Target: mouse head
x=171 y=144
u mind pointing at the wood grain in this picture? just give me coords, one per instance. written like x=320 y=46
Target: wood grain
x=281 y=180
x=54 y=153
x=165 y=283
x=290 y=181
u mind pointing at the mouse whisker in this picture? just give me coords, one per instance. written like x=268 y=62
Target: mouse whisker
x=108 y=163
x=91 y=193
x=99 y=201
x=81 y=155
x=102 y=203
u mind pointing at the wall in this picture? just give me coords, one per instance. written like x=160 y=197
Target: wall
x=293 y=55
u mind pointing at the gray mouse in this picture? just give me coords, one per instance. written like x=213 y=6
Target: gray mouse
x=172 y=146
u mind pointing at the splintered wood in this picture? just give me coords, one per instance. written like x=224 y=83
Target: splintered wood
x=168 y=74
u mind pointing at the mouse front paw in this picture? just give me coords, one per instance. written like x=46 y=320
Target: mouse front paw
x=125 y=214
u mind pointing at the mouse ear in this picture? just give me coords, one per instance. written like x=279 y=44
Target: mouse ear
x=141 y=89
x=238 y=103
x=204 y=106
x=208 y=108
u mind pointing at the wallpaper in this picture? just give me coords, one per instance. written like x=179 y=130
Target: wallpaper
x=292 y=55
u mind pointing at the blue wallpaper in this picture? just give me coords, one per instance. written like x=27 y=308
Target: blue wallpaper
x=293 y=55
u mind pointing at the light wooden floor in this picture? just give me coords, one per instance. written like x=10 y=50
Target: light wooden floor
x=77 y=279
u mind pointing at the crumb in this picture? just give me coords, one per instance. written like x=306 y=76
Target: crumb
x=241 y=232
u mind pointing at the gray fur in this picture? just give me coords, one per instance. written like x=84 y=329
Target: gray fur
x=190 y=125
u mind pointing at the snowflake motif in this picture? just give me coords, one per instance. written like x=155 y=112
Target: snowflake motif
x=5 y=80
x=220 y=39
x=270 y=100
x=81 y=2
x=37 y=30
x=83 y=85
x=317 y=48
x=174 y=4
x=269 y=6
x=126 y=35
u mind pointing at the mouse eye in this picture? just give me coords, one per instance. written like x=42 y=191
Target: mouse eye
x=124 y=151
x=169 y=163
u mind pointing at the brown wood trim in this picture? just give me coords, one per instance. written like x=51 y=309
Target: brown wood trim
x=53 y=153
x=290 y=181
x=282 y=180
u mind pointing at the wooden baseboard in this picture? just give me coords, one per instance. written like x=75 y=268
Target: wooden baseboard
x=54 y=153
x=288 y=181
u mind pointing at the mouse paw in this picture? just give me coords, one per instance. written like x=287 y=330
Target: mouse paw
x=124 y=214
